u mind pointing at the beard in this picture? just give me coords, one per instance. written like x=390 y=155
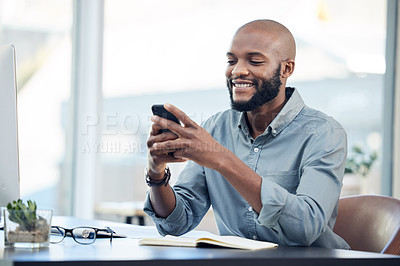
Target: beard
x=268 y=90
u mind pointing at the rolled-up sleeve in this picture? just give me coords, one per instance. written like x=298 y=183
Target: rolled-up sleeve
x=192 y=202
x=301 y=218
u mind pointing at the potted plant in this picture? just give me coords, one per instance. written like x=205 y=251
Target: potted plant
x=358 y=165
x=25 y=225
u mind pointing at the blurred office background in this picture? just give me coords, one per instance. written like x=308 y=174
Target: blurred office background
x=88 y=72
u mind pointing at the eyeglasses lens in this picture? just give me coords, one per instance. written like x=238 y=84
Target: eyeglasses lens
x=57 y=234
x=84 y=235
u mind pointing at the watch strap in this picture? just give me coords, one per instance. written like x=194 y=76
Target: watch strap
x=159 y=183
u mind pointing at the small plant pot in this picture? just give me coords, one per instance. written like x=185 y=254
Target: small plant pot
x=34 y=233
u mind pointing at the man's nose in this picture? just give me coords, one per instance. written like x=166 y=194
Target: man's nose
x=240 y=69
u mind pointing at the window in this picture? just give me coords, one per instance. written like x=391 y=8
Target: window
x=174 y=51
x=158 y=51
x=40 y=31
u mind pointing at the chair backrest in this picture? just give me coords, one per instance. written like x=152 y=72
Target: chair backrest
x=370 y=223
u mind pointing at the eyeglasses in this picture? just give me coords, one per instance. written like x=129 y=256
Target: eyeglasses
x=82 y=235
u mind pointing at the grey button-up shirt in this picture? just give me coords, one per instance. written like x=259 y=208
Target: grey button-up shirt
x=300 y=158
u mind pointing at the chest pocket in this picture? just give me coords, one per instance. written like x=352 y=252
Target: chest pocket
x=289 y=180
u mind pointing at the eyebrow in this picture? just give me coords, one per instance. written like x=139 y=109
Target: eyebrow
x=249 y=54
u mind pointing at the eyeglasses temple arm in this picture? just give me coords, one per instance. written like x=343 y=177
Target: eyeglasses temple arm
x=111 y=232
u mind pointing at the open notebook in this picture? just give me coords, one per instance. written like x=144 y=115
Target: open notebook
x=214 y=240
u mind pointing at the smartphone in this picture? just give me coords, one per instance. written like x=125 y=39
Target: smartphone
x=159 y=110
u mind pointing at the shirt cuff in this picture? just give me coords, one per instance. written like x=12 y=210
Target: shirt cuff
x=165 y=225
x=273 y=199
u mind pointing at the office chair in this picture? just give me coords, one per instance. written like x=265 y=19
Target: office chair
x=370 y=223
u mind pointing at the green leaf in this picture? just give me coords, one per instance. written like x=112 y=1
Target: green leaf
x=24 y=215
x=359 y=162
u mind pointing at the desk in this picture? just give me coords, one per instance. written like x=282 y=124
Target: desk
x=126 y=251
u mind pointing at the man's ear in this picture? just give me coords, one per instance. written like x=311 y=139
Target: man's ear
x=287 y=68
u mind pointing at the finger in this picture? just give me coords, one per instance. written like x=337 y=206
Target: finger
x=180 y=115
x=171 y=145
x=180 y=160
x=164 y=157
x=164 y=137
x=155 y=129
x=162 y=123
x=160 y=148
x=166 y=146
x=180 y=154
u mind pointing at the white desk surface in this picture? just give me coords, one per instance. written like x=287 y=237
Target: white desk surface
x=126 y=251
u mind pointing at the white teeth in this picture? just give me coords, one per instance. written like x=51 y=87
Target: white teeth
x=243 y=85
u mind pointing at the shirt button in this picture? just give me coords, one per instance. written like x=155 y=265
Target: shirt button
x=256 y=149
x=255 y=237
x=250 y=209
x=274 y=131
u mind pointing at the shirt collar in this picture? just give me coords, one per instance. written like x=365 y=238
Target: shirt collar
x=291 y=109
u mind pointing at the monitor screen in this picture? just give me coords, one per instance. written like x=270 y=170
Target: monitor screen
x=9 y=165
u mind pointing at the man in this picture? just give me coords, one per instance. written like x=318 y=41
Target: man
x=271 y=167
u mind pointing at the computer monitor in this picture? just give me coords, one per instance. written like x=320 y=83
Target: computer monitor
x=9 y=163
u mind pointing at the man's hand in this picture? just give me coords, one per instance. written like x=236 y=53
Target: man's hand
x=157 y=159
x=187 y=142
x=192 y=142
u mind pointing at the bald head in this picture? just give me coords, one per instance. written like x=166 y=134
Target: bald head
x=283 y=39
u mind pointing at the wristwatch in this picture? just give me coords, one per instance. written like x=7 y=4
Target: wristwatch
x=164 y=181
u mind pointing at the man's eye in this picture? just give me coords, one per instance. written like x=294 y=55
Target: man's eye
x=232 y=62
x=256 y=62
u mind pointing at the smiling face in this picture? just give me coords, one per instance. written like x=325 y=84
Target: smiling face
x=255 y=59
x=264 y=92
